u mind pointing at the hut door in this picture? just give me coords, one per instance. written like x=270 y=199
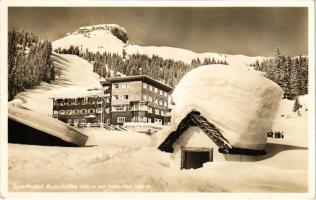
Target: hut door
x=192 y=157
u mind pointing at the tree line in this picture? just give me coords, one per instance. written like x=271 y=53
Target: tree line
x=29 y=61
x=167 y=70
x=290 y=73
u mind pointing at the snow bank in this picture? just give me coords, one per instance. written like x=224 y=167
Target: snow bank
x=139 y=165
x=241 y=104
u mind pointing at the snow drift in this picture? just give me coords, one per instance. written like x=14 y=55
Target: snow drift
x=241 y=104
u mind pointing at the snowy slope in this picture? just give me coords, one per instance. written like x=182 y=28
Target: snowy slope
x=76 y=76
x=100 y=38
x=95 y=38
x=187 y=56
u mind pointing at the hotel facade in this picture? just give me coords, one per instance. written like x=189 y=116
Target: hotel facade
x=128 y=99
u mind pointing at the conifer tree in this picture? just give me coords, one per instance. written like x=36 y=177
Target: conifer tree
x=297 y=105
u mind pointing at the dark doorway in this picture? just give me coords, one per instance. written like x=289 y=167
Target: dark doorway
x=193 y=158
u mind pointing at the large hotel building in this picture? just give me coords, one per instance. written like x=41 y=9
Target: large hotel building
x=138 y=99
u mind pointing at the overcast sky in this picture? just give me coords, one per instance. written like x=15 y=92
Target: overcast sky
x=249 y=31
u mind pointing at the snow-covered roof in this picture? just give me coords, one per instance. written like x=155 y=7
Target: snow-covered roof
x=241 y=104
x=210 y=130
x=144 y=78
x=76 y=92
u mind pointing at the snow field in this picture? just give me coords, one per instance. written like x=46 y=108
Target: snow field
x=131 y=158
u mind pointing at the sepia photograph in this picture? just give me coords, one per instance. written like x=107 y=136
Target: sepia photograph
x=203 y=99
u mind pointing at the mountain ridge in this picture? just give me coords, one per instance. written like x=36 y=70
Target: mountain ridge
x=112 y=38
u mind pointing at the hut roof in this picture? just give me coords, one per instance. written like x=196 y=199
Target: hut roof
x=194 y=119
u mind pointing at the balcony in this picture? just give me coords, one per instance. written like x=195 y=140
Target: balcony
x=139 y=108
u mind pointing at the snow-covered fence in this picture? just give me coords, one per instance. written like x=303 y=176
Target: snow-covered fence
x=99 y=125
x=147 y=128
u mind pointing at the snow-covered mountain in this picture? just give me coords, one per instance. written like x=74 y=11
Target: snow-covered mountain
x=113 y=38
x=95 y=38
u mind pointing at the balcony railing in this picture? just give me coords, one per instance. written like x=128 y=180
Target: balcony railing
x=139 y=108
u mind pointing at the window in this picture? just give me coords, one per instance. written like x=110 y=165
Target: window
x=145 y=97
x=124 y=85
x=143 y=107
x=99 y=110
x=76 y=112
x=166 y=94
x=119 y=108
x=144 y=85
x=120 y=119
x=62 y=112
x=162 y=113
x=150 y=88
x=156 y=90
x=55 y=112
x=156 y=101
x=157 y=111
x=166 y=104
x=115 y=97
x=150 y=98
x=61 y=103
x=150 y=110
x=143 y=119
x=160 y=102
x=69 y=112
x=107 y=110
x=83 y=111
x=116 y=85
x=125 y=97
x=55 y=103
x=158 y=121
x=139 y=119
x=160 y=92
x=91 y=111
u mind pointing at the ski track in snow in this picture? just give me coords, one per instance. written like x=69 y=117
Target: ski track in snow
x=132 y=158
